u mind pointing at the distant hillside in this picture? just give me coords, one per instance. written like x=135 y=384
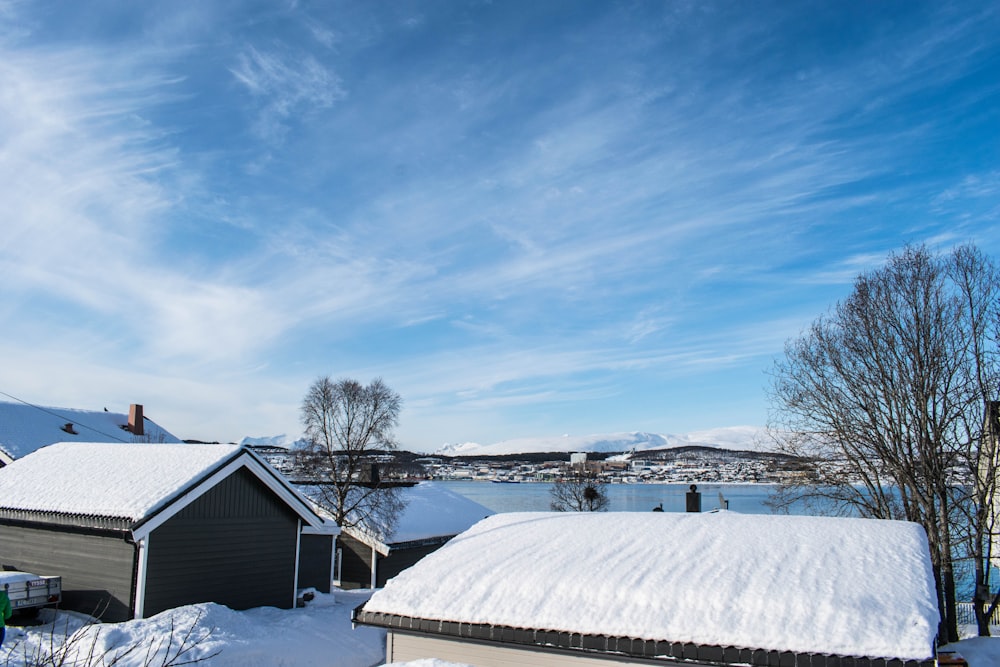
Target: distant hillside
x=282 y=441
x=740 y=438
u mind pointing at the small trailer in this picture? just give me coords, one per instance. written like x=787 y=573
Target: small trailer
x=30 y=592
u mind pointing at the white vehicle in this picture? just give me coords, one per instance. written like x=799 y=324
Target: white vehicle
x=30 y=591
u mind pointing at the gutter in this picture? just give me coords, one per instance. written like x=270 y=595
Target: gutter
x=649 y=651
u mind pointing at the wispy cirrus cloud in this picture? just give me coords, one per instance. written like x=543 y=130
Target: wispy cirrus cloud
x=88 y=181
x=285 y=85
x=504 y=212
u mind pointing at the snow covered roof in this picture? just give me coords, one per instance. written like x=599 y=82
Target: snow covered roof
x=114 y=480
x=807 y=585
x=24 y=428
x=126 y=484
x=432 y=511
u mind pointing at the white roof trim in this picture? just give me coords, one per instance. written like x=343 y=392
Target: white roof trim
x=381 y=547
x=366 y=538
x=329 y=528
x=245 y=459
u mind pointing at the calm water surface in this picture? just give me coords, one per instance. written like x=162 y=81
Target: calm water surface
x=746 y=498
x=534 y=496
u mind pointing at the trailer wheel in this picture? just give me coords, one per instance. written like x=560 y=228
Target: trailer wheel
x=26 y=615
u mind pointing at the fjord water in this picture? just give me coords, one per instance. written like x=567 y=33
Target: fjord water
x=534 y=496
x=746 y=498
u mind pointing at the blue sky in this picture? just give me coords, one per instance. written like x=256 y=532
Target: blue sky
x=528 y=218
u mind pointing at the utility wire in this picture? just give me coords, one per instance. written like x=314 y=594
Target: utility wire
x=56 y=414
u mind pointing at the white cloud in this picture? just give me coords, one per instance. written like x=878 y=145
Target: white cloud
x=87 y=183
x=285 y=85
x=845 y=270
x=567 y=224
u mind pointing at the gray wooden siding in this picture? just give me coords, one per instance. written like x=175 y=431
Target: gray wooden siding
x=235 y=545
x=355 y=562
x=97 y=571
x=400 y=559
x=401 y=647
x=315 y=562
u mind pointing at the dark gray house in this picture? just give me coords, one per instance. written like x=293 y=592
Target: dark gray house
x=134 y=529
x=432 y=516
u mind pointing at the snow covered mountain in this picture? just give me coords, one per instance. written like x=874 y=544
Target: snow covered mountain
x=745 y=438
x=282 y=441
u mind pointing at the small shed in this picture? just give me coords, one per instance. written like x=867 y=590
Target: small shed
x=134 y=529
x=661 y=588
x=432 y=516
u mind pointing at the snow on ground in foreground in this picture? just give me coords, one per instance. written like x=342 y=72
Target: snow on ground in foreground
x=318 y=634
x=978 y=651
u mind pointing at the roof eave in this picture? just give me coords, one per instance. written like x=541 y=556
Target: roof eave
x=366 y=538
x=384 y=547
x=116 y=524
x=655 y=651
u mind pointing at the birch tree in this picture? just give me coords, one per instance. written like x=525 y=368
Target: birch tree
x=580 y=492
x=346 y=425
x=885 y=397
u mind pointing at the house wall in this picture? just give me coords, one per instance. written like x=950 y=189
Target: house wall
x=96 y=570
x=404 y=647
x=355 y=562
x=234 y=545
x=991 y=437
x=400 y=559
x=316 y=562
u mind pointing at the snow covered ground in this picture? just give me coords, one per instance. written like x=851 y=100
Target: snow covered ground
x=319 y=634
x=978 y=651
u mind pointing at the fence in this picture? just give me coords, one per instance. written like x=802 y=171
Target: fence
x=967 y=615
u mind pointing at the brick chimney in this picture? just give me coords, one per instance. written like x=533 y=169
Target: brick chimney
x=135 y=425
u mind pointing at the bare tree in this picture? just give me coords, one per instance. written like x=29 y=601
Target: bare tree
x=978 y=282
x=347 y=425
x=580 y=492
x=882 y=397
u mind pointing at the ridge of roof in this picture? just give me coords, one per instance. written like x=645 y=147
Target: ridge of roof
x=26 y=427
